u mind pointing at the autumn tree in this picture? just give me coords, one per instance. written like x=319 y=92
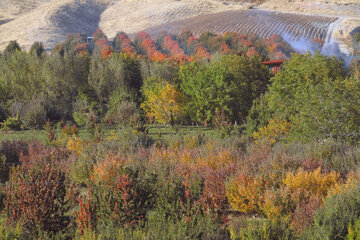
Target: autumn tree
x=163 y=101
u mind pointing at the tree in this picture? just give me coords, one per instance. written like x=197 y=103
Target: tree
x=37 y=48
x=315 y=96
x=229 y=85
x=163 y=101
x=12 y=47
x=119 y=71
x=330 y=109
x=302 y=72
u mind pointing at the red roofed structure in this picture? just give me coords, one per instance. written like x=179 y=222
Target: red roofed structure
x=275 y=65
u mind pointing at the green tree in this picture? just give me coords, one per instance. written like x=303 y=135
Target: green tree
x=119 y=71
x=37 y=48
x=302 y=72
x=63 y=78
x=12 y=47
x=228 y=85
x=313 y=93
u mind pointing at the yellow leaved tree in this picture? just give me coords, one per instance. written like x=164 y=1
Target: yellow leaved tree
x=164 y=102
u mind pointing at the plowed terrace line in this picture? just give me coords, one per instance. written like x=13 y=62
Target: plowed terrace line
x=261 y=23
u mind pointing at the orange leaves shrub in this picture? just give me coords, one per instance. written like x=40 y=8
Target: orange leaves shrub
x=125 y=200
x=299 y=196
x=75 y=145
x=245 y=193
x=107 y=170
x=38 y=155
x=36 y=196
x=274 y=131
x=201 y=53
x=315 y=182
x=214 y=193
x=304 y=214
x=252 y=52
x=277 y=204
x=68 y=130
x=85 y=216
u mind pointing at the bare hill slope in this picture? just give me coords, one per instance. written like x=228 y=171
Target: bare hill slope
x=50 y=20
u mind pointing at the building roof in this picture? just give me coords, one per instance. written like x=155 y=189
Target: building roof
x=274 y=62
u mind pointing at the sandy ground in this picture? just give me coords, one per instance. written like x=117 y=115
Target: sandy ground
x=50 y=20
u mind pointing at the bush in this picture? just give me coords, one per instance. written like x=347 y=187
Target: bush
x=315 y=183
x=126 y=200
x=260 y=229
x=193 y=226
x=10 y=232
x=81 y=170
x=300 y=194
x=354 y=230
x=10 y=152
x=275 y=131
x=121 y=113
x=36 y=196
x=214 y=194
x=11 y=123
x=337 y=212
x=245 y=193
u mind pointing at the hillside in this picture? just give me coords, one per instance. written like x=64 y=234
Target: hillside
x=50 y=20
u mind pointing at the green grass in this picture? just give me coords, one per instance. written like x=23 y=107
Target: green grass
x=156 y=132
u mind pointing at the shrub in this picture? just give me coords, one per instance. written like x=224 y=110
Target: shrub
x=354 y=230
x=315 y=182
x=274 y=131
x=37 y=155
x=96 y=131
x=50 y=133
x=260 y=229
x=337 y=212
x=303 y=217
x=13 y=149
x=278 y=204
x=37 y=197
x=10 y=152
x=214 y=194
x=121 y=113
x=85 y=216
x=301 y=194
x=11 y=123
x=75 y=145
x=107 y=170
x=81 y=169
x=69 y=130
x=195 y=226
x=245 y=193
x=125 y=201
x=10 y=232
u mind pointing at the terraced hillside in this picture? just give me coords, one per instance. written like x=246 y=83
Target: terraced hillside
x=133 y=16
x=50 y=20
x=261 y=23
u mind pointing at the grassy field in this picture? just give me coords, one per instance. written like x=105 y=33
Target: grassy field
x=156 y=132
